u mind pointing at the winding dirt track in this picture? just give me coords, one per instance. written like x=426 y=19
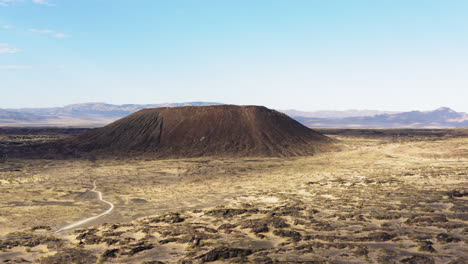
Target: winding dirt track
x=84 y=221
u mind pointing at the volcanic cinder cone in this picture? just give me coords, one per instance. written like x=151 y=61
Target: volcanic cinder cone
x=221 y=130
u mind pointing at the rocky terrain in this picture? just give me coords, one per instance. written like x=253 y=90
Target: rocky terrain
x=381 y=199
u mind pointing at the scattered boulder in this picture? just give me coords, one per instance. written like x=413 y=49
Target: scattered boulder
x=380 y=236
x=70 y=255
x=168 y=240
x=457 y=193
x=418 y=259
x=426 y=220
x=227 y=213
x=387 y=256
x=460 y=260
x=112 y=234
x=361 y=251
x=261 y=225
x=427 y=246
x=222 y=253
x=170 y=218
x=306 y=248
x=385 y=215
x=140 y=248
x=89 y=238
x=110 y=253
x=41 y=227
x=447 y=238
x=25 y=239
x=287 y=211
x=138 y=201
x=293 y=235
x=276 y=222
x=227 y=228
x=256 y=226
x=263 y=260
x=110 y=241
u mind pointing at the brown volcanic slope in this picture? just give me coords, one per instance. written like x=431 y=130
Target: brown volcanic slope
x=221 y=130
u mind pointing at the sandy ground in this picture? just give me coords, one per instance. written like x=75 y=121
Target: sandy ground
x=376 y=201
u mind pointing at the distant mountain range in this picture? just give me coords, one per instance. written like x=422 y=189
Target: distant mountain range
x=336 y=114
x=440 y=118
x=7 y=116
x=87 y=114
x=100 y=109
x=99 y=114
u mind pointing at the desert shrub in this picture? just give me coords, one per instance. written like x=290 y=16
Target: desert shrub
x=3 y=157
x=92 y=158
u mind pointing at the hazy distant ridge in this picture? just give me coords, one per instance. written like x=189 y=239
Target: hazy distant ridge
x=86 y=114
x=101 y=109
x=99 y=114
x=439 y=118
x=8 y=116
x=336 y=114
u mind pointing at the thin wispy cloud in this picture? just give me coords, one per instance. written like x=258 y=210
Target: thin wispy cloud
x=5 y=2
x=38 y=2
x=61 y=35
x=42 y=2
x=49 y=32
x=15 y=67
x=7 y=27
x=5 y=49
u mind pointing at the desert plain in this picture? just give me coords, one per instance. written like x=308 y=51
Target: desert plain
x=381 y=196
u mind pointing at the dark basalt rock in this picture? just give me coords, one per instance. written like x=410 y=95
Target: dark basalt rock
x=256 y=226
x=24 y=239
x=307 y=248
x=427 y=247
x=419 y=259
x=287 y=211
x=222 y=253
x=170 y=218
x=110 y=234
x=227 y=228
x=110 y=241
x=447 y=238
x=361 y=251
x=226 y=213
x=168 y=240
x=110 y=253
x=385 y=215
x=41 y=227
x=277 y=222
x=460 y=260
x=140 y=248
x=71 y=255
x=293 y=235
x=261 y=225
x=457 y=193
x=263 y=260
x=426 y=219
x=89 y=238
x=379 y=237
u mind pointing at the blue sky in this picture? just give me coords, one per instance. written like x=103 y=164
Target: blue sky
x=308 y=55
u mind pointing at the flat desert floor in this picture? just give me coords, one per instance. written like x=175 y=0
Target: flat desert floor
x=381 y=199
